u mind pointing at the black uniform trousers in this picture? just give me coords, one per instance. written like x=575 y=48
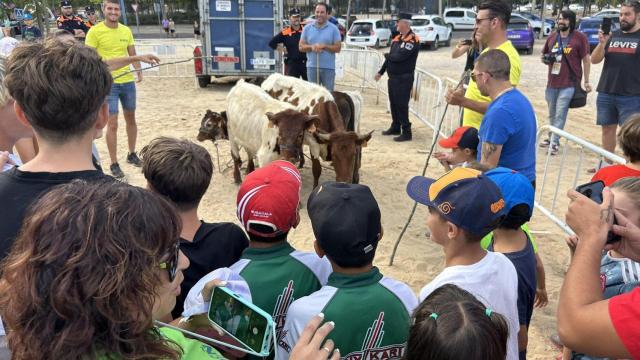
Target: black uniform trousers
x=297 y=70
x=399 y=87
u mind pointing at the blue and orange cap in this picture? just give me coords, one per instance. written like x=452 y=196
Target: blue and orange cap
x=463 y=197
x=516 y=188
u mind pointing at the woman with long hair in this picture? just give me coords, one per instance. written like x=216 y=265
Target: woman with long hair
x=93 y=267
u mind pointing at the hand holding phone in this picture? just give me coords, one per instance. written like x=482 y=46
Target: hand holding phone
x=466 y=42
x=593 y=191
x=606 y=25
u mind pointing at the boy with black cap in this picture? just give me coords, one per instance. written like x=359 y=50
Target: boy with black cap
x=371 y=312
x=464 y=148
x=92 y=18
x=512 y=241
x=464 y=206
x=275 y=272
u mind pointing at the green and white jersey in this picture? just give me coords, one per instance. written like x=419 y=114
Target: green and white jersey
x=191 y=349
x=372 y=315
x=279 y=275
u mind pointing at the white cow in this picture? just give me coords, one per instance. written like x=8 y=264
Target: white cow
x=266 y=128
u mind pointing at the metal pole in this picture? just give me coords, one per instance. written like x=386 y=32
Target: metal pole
x=124 y=12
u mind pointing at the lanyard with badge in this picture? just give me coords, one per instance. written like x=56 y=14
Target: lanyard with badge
x=559 y=53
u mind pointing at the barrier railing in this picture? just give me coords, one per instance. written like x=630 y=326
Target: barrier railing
x=427 y=96
x=169 y=53
x=557 y=173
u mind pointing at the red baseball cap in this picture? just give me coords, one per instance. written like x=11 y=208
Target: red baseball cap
x=465 y=137
x=269 y=198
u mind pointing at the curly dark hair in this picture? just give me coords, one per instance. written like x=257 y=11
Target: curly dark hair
x=82 y=277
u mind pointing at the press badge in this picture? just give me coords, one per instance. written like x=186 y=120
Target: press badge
x=555 y=68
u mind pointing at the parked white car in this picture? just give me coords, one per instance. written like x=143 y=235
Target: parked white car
x=460 y=18
x=432 y=30
x=368 y=33
x=608 y=13
x=536 y=23
x=576 y=7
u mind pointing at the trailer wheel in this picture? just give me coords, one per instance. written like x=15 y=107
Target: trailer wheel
x=203 y=81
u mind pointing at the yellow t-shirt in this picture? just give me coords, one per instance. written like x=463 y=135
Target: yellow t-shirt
x=111 y=43
x=472 y=118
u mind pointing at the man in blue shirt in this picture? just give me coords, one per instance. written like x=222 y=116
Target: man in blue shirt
x=321 y=42
x=508 y=130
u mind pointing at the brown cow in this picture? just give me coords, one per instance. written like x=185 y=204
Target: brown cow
x=316 y=100
x=343 y=149
x=213 y=126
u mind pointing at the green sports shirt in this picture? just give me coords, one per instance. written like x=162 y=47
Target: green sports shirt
x=371 y=312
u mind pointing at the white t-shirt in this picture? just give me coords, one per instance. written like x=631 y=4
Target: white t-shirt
x=494 y=282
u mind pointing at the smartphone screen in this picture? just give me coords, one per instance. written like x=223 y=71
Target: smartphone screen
x=592 y=190
x=606 y=25
x=238 y=319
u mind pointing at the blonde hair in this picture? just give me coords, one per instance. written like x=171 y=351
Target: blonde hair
x=4 y=93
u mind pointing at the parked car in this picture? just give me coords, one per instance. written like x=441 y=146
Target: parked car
x=432 y=30
x=536 y=23
x=576 y=8
x=608 y=13
x=521 y=35
x=460 y=18
x=369 y=33
x=591 y=25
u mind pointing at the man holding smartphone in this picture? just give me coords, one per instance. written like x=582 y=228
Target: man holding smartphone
x=566 y=53
x=619 y=85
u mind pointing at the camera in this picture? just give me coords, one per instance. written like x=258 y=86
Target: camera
x=548 y=58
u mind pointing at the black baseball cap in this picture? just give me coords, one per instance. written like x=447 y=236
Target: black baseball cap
x=294 y=12
x=65 y=3
x=90 y=9
x=346 y=221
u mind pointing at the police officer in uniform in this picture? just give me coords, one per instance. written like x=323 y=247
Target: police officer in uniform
x=70 y=22
x=295 y=60
x=91 y=15
x=400 y=63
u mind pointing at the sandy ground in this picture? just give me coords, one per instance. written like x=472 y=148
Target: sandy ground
x=174 y=107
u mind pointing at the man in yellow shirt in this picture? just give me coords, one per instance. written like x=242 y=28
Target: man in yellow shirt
x=491 y=33
x=112 y=39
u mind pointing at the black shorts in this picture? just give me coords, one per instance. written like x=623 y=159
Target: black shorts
x=196 y=32
x=173 y=30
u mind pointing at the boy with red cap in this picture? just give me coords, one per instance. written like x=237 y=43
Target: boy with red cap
x=371 y=312
x=275 y=273
x=464 y=148
x=464 y=206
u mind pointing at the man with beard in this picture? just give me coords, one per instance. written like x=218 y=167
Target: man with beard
x=619 y=85
x=491 y=33
x=71 y=23
x=113 y=40
x=567 y=55
x=290 y=36
x=508 y=130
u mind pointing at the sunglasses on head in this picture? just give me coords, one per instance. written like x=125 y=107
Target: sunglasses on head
x=171 y=265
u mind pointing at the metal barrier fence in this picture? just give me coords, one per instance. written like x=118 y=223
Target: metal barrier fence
x=427 y=96
x=168 y=54
x=564 y=171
